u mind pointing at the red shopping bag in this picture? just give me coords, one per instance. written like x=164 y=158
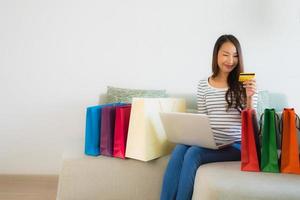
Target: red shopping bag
x=289 y=147
x=250 y=150
x=121 y=130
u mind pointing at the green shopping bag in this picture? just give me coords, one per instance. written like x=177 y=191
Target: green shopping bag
x=269 y=154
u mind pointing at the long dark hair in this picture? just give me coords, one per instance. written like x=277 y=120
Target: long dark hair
x=236 y=94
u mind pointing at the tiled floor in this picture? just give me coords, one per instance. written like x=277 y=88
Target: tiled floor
x=28 y=187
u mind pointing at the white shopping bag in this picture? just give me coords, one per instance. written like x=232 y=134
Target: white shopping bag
x=146 y=138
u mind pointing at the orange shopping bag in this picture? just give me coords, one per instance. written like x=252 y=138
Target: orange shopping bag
x=289 y=149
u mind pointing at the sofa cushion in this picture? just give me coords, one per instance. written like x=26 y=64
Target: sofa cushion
x=108 y=178
x=225 y=181
x=125 y=95
x=103 y=177
x=263 y=101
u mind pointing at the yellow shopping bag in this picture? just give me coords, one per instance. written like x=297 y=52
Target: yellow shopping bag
x=146 y=138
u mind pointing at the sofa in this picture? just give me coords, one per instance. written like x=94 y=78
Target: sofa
x=90 y=178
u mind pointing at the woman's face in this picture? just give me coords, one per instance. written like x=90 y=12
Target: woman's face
x=227 y=57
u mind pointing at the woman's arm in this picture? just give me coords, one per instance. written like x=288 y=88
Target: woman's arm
x=201 y=98
x=250 y=87
x=250 y=102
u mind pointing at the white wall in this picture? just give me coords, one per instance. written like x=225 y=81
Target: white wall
x=57 y=57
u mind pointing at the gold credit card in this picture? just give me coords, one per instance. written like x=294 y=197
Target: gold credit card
x=246 y=76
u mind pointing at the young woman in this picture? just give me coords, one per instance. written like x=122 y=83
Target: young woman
x=222 y=98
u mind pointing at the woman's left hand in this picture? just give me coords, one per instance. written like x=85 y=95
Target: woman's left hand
x=250 y=87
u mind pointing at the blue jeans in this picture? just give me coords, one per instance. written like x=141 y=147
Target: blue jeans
x=180 y=174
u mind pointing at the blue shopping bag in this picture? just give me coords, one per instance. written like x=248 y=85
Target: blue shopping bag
x=92 y=129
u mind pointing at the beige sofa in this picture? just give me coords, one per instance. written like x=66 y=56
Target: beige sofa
x=90 y=178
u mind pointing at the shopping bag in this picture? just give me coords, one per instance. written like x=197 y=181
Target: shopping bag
x=92 y=130
x=250 y=150
x=121 y=130
x=289 y=145
x=269 y=123
x=107 y=129
x=146 y=136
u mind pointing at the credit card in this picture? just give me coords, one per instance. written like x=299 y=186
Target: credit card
x=246 y=76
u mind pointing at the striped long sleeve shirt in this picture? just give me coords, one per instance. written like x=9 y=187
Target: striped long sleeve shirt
x=225 y=124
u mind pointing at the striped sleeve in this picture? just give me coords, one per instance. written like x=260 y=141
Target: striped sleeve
x=201 y=98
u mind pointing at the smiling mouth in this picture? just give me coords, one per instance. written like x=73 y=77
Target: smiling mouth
x=228 y=66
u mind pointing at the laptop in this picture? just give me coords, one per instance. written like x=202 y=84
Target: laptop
x=190 y=129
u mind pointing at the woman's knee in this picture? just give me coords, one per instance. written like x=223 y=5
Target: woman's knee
x=179 y=151
x=194 y=155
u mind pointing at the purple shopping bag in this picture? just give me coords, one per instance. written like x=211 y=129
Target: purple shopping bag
x=108 y=114
x=107 y=130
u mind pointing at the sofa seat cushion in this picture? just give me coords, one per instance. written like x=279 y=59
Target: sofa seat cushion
x=108 y=178
x=224 y=180
x=101 y=177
